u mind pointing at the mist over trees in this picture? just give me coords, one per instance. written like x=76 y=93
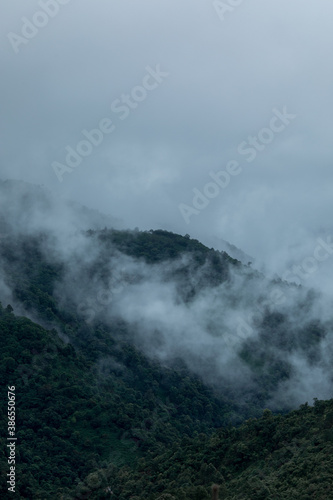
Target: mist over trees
x=139 y=347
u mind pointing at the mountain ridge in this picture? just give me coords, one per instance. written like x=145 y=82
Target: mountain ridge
x=141 y=339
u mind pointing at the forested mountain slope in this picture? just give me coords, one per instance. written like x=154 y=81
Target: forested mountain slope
x=271 y=458
x=73 y=414
x=129 y=350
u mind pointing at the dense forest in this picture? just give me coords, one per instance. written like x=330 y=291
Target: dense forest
x=166 y=250
x=137 y=438
x=102 y=412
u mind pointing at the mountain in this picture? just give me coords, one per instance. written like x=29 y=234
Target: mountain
x=232 y=250
x=134 y=351
x=271 y=458
x=28 y=206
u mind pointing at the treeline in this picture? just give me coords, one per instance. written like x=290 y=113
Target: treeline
x=95 y=416
x=271 y=458
x=74 y=414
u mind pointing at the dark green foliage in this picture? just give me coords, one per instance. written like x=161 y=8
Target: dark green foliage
x=271 y=458
x=154 y=246
x=72 y=415
x=95 y=413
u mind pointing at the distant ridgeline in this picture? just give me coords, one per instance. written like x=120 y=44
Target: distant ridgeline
x=98 y=418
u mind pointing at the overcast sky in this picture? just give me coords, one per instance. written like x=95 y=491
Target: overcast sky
x=180 y=89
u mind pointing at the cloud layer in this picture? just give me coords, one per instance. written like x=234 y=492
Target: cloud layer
x=225 y=77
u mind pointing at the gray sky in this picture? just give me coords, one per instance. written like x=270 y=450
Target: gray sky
x=222 y=75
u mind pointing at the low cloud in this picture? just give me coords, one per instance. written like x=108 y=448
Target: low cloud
x=235 y=333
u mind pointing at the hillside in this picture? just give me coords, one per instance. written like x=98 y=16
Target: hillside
x=271 y=458
x=73 y=414
x=137 y=356
x=130 y=429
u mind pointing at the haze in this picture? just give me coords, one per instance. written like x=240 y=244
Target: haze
x=226 y=72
